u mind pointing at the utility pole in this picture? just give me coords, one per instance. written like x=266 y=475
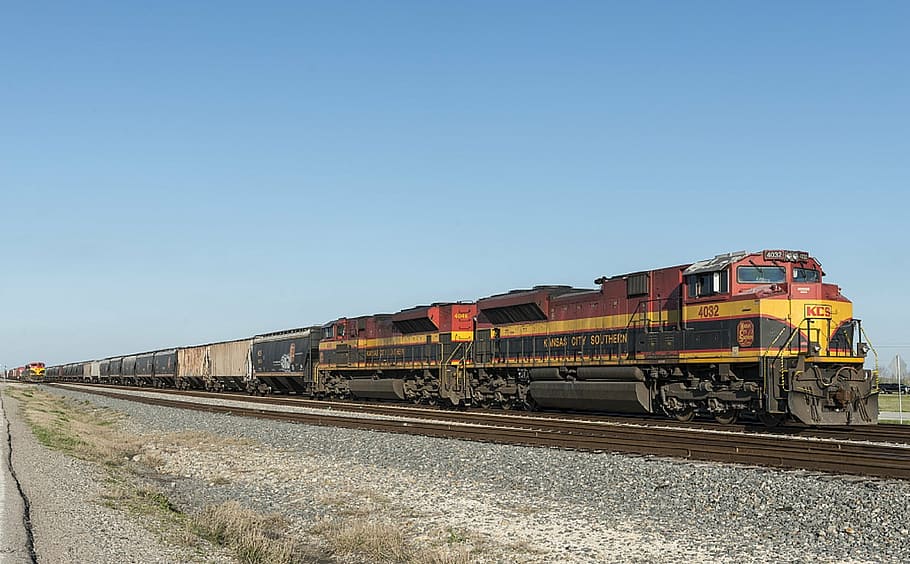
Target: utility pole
x=900 y=392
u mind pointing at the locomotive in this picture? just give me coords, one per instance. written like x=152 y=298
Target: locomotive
x=755 y=333
x=33 y=372
x=741 y=334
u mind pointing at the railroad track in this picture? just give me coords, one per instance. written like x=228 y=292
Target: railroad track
x=883 y=433
x=825 y=454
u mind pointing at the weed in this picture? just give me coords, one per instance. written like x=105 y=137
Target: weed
x=454 y=536
x=375 y=540
x=252 y=537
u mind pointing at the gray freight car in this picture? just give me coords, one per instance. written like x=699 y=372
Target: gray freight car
x=165 y=369
x=285 y=361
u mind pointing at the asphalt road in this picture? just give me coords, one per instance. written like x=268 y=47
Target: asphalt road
x=12 y=528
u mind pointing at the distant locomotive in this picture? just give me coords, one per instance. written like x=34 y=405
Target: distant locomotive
x=34 y=372
x=742 y=333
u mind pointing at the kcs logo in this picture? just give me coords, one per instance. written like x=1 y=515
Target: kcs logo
x=818 y=311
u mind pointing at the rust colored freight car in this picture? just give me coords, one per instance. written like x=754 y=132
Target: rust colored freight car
x=215 y=366
x=419 y=354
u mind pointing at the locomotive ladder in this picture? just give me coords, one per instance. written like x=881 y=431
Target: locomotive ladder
x=457 y=381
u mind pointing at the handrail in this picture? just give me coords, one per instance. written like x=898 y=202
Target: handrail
x=795 y=331
x=862 y=332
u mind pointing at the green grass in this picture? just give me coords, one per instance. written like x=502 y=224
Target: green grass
x=889 y=402
x=58 y=438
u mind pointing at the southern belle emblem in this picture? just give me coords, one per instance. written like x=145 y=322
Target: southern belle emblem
x=745 y=333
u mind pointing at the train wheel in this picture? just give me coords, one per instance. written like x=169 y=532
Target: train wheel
x=726 y=417
x=685 y=416
x=771 y=420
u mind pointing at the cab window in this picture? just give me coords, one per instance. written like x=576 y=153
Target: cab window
x=805 y=275
x=708 y=284
x=761 y=274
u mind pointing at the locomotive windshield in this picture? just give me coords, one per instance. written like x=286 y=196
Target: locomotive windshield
x=805 y=275
x=761 y=274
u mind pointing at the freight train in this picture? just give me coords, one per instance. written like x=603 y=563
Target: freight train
x=31 y=372
x=741 y=334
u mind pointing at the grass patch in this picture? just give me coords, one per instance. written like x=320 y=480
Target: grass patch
x=376 y=540
x=889 y=402
x=140 y=500
x=252 y=537
x=77 y=428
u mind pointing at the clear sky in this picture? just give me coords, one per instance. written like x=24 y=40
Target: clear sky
x=183 y=172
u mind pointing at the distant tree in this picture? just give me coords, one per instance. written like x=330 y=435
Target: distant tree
x=896 y=367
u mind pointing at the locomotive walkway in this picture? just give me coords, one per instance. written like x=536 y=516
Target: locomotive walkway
x=842 y=454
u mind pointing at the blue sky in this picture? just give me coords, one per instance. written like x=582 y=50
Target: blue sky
x=182 y=172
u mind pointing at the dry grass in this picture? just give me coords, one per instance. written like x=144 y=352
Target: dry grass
x=252 y=537
x=125 y=495
x=378 y=541
x=375 y=540
x=78 y=428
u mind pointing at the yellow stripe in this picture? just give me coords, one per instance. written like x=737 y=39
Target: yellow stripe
x=782 y=309
x=403 y=340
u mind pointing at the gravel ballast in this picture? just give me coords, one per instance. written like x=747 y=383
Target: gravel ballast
x=495 y=503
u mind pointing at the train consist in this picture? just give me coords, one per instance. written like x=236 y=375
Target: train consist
x=757 y=334
x=31 y=372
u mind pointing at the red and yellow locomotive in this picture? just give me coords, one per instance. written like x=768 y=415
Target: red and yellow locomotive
x=422 y=354
x=33 y=372
x=742 y=333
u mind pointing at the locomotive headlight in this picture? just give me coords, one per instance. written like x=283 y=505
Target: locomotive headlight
x=863 y=348
x=816 y=348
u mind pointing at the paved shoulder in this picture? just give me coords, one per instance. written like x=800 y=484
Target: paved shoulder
x=13 y=543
